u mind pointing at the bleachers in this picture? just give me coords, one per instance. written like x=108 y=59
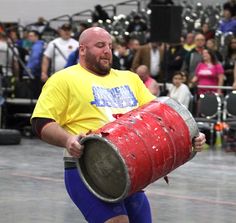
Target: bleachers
x=193 y=17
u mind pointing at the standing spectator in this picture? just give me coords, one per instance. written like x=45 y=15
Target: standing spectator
x=178 y=90
x=149 y=82
x=57 y=51
x=25 y=43
x=189 y=42
x=8 y=57
x=73 y=58
x=175 y=55
x=209 y=73
x=193 y=57
x=34 y=61
x=99 y=14
x=229 y=62
x=21 y=45
x=211 y=45
x=122 y=53
x=133 y=46
x=234 y=84
x=125 y=53
x=82 y=27
x=115 y=59
x=151 y=55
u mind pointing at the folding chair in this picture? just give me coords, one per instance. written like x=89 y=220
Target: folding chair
x=229 y=111
x=208 y=114
x=192 y=105
x=229 y=118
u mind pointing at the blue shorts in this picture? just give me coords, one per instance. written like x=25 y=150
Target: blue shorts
x=136 y=206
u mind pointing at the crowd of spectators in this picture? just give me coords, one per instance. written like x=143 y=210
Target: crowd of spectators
x=199 y=55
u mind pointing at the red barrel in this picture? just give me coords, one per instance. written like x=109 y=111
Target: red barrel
x=137 y=149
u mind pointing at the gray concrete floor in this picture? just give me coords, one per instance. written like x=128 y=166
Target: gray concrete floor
x=32 y=189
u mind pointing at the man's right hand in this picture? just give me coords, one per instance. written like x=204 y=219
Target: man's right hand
x=73 y=146
x=44 y=77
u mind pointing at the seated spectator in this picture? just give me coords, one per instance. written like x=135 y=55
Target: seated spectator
x=229 y=61
x=178 y=90
x=40 y=25
x=99 y=14
x=149 y=82
x=209 y=72
x=160 y=2
x=231 y=4
x=207 y=32
x=228 y=23
x=137 y=25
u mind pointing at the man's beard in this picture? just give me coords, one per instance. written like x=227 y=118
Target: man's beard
x=96 y=66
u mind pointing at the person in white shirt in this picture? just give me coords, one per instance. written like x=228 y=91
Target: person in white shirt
x=57 y=52
x=151 y=55
x=178 y=90
x=8 y=57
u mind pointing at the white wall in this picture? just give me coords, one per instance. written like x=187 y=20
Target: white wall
x=27 y=11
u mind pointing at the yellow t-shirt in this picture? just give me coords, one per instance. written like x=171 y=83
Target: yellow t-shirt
x=80 y=101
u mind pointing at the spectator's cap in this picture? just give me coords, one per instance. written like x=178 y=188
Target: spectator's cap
x=66 y=27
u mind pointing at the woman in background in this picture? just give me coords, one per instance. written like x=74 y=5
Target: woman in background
x=209 y=72
x=229 y=61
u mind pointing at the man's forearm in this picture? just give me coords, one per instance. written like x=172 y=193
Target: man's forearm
x=54 y=134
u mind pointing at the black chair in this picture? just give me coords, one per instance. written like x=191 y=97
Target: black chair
x=229 y=111
x=192 y=105
x=208 y=114
x=229 y=118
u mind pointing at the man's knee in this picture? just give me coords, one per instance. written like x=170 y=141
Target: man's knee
x=118 y=219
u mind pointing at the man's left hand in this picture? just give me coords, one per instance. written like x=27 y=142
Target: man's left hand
x=199 y=142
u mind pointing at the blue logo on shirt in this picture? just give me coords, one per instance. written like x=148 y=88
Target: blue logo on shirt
x=118 y=97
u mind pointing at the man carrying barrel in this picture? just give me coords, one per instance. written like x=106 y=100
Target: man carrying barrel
x=83 y=98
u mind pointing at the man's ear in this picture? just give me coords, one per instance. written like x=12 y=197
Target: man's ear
x=82 y=50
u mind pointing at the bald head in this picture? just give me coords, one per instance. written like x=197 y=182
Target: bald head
x=199 y=40
x=143 y=72
x=92 y=33
x=95 y=50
